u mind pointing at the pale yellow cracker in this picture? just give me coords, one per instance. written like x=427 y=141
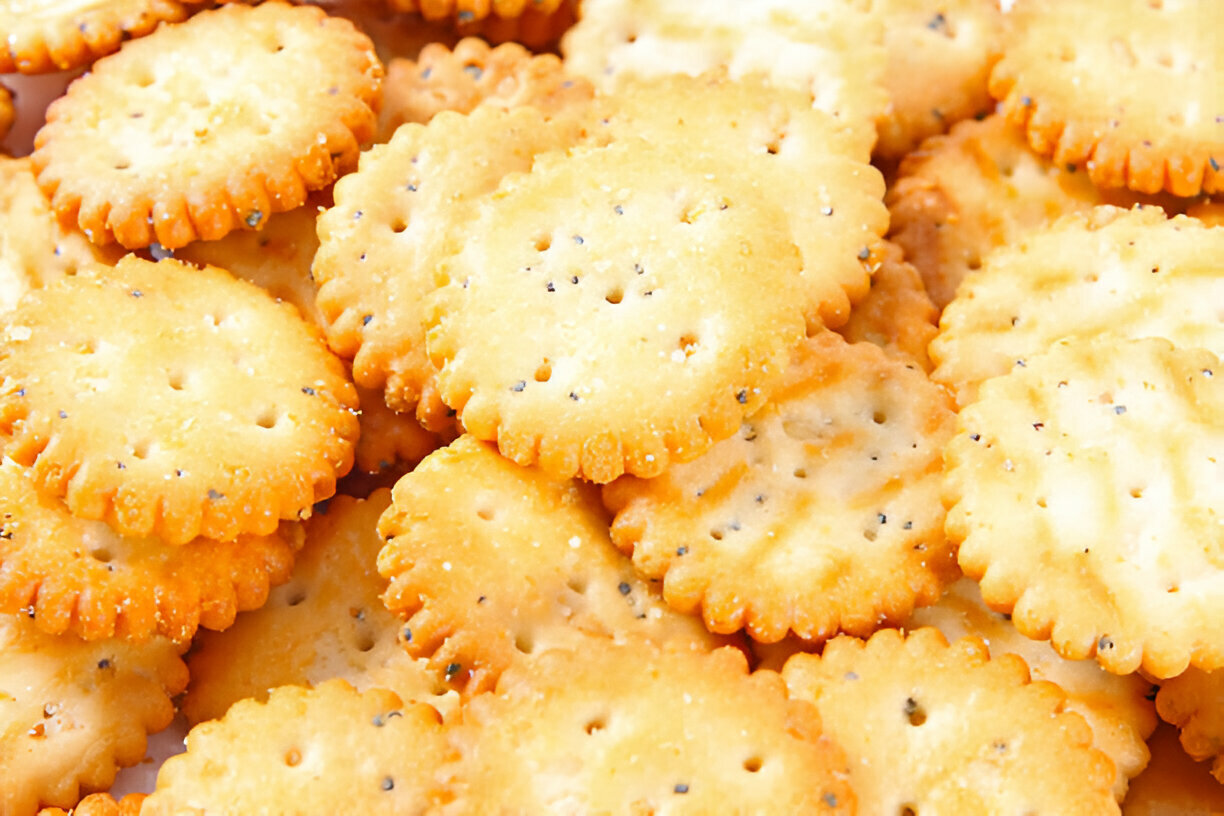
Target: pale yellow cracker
x=832 y=50
x=1118 y=709
x=1109 y=273
x=629 y=729
x=940 y=53
x=175 y=139
x=1192 y=702
x=41 y=36
x=821 y=515
x=78 y=576
x=896 y=314
x=473 y=73
x=1133 y=89
x=72 y=712
x=174 y=401
x=1173 y=784
x=329 y=749
x=799 y=157
x=328 y=621
x=488 y=560
x=929 y=727
x=34 y=248
x=979 y=188
x=622 y=359
x=406 y=208
x=1103 y=459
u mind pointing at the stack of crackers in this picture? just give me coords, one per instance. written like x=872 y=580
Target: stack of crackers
x=613 y=406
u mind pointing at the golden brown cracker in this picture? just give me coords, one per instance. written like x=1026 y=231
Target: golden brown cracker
x=1191 y=702
x=800 y=157
x=1103 y=458
x=539 y=26
x=821 y=515
x=1210 y=212
x=78 y=576
x=330 y=749
x=930 y=727
x=7 y=112
x=174 y=139
x=174 y=401
x=390 y=439
x=897 y=314
x=623 y=360
x=630 y=729
x=1110 y=273
x=394 y=221
x=980 y=188
x=100 y=804
x=1118 y=709
x=940 y=53
x=327 y=621
x=508 y=76
x=832 y=50
x=488 y=560
x=41 y=37
x=73 y=712
x=1131 y=89
x=469 y=11
x=35 y=248
x=1173 y=784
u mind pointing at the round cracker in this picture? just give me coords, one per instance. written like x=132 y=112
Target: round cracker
x=630 y=729
x=174 y=401
x=624 y=359
x=1091 y=84
x=821 y=515
x=1111 y=272
x=935 y=728
x=1103 y=458
x=174 y=139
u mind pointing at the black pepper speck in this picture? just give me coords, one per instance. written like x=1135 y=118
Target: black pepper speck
x=519 y=386
x=1119 y=409
x=308 y=391
x=681 y=788
x=623 y=588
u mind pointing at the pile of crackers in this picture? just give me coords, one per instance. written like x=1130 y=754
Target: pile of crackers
x=613 y=406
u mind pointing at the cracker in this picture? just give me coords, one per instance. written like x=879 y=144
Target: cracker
x=1209 y=212
x=394 y=221
x=629 y=729
x=539 y=27
x=72 y=712
x=277 y=258
x=468 y=11
x=34 y=248
x=7 y=111
x=897 y=314
x=488 y=561
x=508 y=76
x=100 y=804
x=327 y=621
x=1173 y=783
x=174 y=401
x=1131 y=89
x=821 y=515
x=41 y=37
x=1103 y=458
x=980 y=188
x=935 y=728
x=832 y=50
x=173 y=139
x=78 y=576
x=390 y=439
x=800 y=157
x=624 y=359
x=394 y=33
x=1191 y=701
x=330 y=749
x=1109 y=273
x=1118 y=709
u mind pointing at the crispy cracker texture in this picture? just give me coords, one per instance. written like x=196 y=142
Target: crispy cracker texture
x=896 y=314
x=821 y=515
x=174 y=401
x=243 y=131
x=1191 y=701
x=1129 y=89
x=624 y=360
x=488 y=561
x=330 y=749
x=56 y=36
x=1117 y=708
x=630 y=729
x=100 y=804
x=78 y=576
x=929 y=727
x=73 y=712
x=327 y=621
x=1107 y=273
x=1084 y=491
